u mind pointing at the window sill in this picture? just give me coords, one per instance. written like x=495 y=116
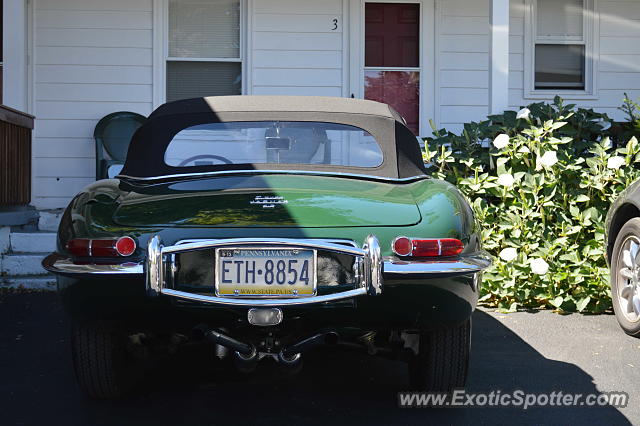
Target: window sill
x=578 y=95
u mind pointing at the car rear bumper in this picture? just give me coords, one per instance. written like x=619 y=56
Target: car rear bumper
x=370 y=268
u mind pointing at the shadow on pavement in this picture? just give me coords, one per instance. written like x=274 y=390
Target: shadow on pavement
x=335 y=387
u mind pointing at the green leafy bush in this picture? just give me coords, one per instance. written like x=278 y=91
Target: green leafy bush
x=631 y=127
x=540 y=182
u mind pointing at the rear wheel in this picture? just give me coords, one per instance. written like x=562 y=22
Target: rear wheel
x=625 y=277
x=442 y=362
x=100 y=360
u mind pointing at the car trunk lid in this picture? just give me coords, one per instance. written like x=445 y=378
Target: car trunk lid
x=270 y=201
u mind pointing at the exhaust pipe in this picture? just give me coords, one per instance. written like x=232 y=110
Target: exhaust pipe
x=292 y=353
x=246 y=350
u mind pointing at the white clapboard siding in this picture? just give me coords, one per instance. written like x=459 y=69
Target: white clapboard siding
x=463 y=62
x=100 y=18
x=297 y=91
x=296 y=48
x=318 y=77
x=294 y=7
x=618 y=62
x=65 y=73
x=65 y=110
x=91 y=58
x=73 y=147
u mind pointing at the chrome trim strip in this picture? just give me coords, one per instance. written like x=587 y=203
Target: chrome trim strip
x=265 y=302
x=286 y=172
x=57 y=264
x=300 y=243
x=463 y=265
x=339 y=241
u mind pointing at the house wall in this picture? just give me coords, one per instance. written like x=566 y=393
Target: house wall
x=462 y=63
x=91 y=58
x=294 y=49
x=619 y=59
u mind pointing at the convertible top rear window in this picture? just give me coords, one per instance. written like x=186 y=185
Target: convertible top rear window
x=273 y=142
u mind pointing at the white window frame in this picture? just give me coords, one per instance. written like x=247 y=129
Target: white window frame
x=161 y=49
x=427 y=56
x=591 y=49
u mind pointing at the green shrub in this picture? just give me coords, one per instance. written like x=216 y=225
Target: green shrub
x=631 y=127
x=540 y=183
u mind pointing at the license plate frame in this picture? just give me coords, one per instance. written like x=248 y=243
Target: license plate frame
x=313 y=275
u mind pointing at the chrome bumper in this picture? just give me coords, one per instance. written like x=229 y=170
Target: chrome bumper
x=370 y=268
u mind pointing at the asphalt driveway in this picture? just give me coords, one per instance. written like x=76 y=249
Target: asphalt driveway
x=535 y=352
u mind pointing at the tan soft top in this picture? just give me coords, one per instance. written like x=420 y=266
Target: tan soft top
x=401 y=152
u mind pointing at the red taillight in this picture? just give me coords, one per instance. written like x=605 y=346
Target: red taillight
x=450 y=247
x=403 y=246
x=425 y=248
x=123 y=246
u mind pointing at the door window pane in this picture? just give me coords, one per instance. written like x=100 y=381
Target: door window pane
x=196 y=79
x=400 y=89
x=560 y=66
x=204 y=29
x=392 y=34
x=560 y=18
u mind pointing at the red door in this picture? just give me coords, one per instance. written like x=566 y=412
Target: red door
x=392 y=58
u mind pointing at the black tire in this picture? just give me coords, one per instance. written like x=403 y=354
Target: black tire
x=100 y=360
x=442 y=362
x=631 y=229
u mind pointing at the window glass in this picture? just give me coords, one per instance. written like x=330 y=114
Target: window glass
x=559 y=66
x=560 y=18
x=560 y=45
x=273 y=142
x=400 y=89
x=204 y=29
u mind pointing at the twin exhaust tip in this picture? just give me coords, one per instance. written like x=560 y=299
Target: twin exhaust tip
x=248 y=354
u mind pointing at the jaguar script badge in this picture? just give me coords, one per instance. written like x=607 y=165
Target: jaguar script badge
x=268 y=202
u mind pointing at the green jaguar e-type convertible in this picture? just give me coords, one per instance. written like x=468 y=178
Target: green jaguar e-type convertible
x=265 y=226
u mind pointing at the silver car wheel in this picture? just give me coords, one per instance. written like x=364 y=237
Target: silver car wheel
x=629 y=278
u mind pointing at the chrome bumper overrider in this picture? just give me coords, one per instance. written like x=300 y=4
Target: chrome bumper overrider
x=369 y=268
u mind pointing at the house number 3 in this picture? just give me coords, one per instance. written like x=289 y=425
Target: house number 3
x=334 y=24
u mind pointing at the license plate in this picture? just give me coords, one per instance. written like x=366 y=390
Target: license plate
x=265 y=272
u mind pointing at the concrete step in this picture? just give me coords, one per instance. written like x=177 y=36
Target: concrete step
x=17 y=265
x=33 y=242
x=30 y=283
x=5 y=239
x=49 y=220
